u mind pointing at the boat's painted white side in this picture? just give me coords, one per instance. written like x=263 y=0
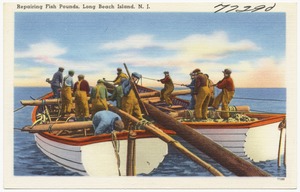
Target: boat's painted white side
x=231 y=139
x=257 y=144
x=100 y=158
x=64 y=155
x=262 y=142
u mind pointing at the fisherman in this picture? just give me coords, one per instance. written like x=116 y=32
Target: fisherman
x=66 y=93
x=56 y=82
x=118 y=94
x=81 y=90
x=212 y=90
x=98 y=97
x=107 y=122
x=119 y=77
x=192 y=87
x=226 y=95
x=165 y=93
x=130 y=102
x=201 y=94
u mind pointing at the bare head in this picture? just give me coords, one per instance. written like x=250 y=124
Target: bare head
x=119 y=125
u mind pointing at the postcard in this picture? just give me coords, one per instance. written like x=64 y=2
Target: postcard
x=150 y=95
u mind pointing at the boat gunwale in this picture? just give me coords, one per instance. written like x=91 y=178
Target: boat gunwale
x=86 y=140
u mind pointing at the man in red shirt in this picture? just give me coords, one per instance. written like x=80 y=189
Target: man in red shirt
x=81 y=90
x=168 y=89
x=228 y=89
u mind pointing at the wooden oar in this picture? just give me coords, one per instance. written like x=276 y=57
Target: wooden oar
x=26 y=105
x=223 y=156
x=58 y=126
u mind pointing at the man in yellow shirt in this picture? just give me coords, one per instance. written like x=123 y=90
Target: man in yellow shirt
x=119 y=77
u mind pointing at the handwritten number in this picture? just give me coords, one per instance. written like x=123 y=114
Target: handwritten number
x=223 y=7
x=234 y=7
x=270 y=8
x=258 y=8
x=246 y=8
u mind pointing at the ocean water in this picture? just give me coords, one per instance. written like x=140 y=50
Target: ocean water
x=30 y=161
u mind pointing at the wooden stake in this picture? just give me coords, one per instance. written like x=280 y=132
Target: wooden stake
x=131 y=156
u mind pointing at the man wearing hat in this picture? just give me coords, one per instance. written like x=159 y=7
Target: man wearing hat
x=130 y=103
x=227 y=93
x=118 y=94
x=165 y=93
x=66 y=93
x=120 y=76
x=56 y=82
x=201 y=94
x=81 y=90
x=107 y=122
x=98 y=97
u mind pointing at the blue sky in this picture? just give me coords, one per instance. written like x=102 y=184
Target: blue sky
x=252 y=45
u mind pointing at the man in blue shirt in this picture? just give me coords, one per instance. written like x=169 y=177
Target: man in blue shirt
x=56 y=82
x=66 y=94
x=107 y=122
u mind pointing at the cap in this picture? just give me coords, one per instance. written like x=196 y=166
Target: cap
x=197 y=70
x=136 y=75
x=61 y=68
x=71 y=72
x=166 y=72
x=119 y=69
x=227 y=71
x=100 y=81
x=80 y=76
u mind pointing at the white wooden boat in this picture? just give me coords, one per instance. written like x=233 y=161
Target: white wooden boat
x=81 y=151
x=254 y=139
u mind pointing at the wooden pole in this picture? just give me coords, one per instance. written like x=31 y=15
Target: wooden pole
x=279 y=149
x=223 y=156
x=58 y=126
x=157 y=94
x=165 y=137
x=281 y=126
x=131 y=156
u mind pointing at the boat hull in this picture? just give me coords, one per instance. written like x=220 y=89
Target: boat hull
x=99 y=158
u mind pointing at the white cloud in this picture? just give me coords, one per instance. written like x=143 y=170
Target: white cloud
x=42 y=51
x=131 y=42
x=265 y=72
x=210 y=47
x=197 y=46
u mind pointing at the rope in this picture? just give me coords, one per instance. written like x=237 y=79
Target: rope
x=259 y=99
x=50 y=128
x=116 y=145
x=140 y=125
